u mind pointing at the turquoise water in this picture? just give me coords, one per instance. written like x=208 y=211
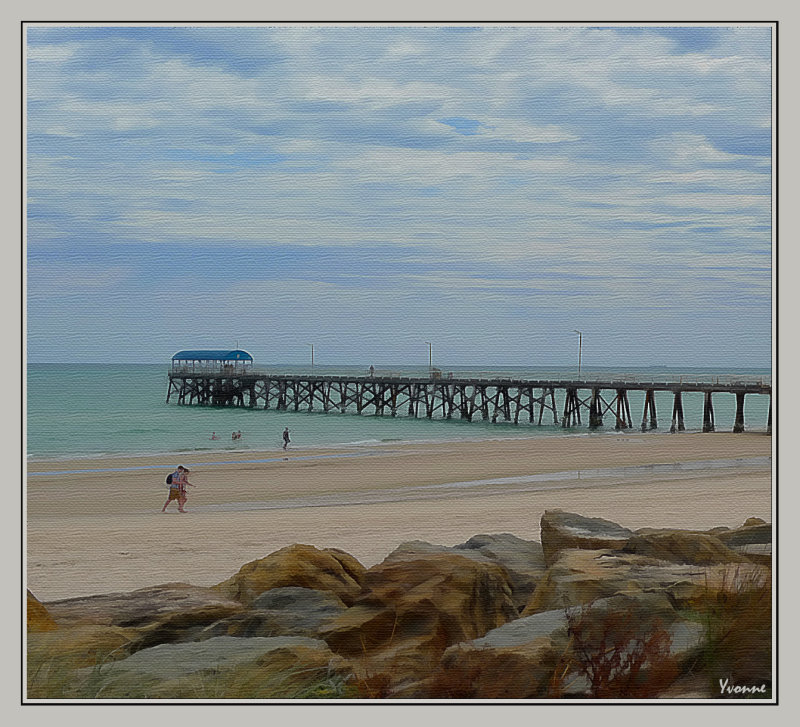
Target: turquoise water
x=97 y=410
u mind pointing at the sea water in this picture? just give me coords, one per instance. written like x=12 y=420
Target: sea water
x=99 y=410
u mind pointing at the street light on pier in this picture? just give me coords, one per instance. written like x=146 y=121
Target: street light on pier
x=580 y=348
x=312 y=356
x=430 y=357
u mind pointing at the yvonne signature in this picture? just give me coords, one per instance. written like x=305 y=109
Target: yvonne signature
x=726 y=687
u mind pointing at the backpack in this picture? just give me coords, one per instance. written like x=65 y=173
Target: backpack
x=169 y=478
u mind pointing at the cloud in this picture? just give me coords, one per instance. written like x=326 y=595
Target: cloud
x=570 y=154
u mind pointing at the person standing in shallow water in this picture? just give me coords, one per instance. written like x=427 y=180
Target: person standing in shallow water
x=286 y=439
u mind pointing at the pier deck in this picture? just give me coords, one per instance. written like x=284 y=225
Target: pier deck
x=490 y=399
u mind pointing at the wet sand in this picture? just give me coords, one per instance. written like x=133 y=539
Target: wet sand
x=94 y=531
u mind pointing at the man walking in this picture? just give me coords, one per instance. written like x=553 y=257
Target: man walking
x=286 y=439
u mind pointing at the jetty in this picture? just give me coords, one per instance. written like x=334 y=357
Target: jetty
x=227 y=378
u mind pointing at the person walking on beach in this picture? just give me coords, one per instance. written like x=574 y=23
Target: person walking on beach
x=177 y=488
x=286 y=439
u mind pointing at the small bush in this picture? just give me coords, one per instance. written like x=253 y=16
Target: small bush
x=622 y=656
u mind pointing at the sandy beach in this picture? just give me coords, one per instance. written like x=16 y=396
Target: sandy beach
x=95 y=526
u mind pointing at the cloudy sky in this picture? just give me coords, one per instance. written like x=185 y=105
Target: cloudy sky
x=368 y=189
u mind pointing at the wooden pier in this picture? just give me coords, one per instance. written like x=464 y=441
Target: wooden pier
x=565 y=403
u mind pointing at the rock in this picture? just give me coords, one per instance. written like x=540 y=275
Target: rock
x=80 y=646
x=181 y=604
x=513 y=672
x=38 y=617
x=683 y=547
x=523 y=559
x=302 y=566
x=281 y=612
x=549 y=624
x=757 y=534
x=760 y=553
x=752 y=521
x=582 y=576
x=411 y=610
x=566 y=530
x=222 y=667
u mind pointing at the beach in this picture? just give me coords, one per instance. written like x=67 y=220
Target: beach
x=96 y=526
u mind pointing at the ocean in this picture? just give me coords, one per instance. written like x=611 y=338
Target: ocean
x=103 y=410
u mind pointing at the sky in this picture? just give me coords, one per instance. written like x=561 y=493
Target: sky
x=490 y=189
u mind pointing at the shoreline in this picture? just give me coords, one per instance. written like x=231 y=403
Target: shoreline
x=101 y=530
x=44 y=460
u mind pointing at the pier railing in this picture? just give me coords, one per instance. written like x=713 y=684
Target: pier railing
x=451 y=395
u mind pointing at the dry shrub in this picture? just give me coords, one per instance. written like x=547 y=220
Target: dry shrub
x=622 y=655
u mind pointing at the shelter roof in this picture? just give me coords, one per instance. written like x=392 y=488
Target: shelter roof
x=212 y=355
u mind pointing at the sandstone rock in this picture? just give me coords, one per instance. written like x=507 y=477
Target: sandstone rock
x=37 y=616
x=760 y=553
x=751 y=521
x=546 y=624
x=566 y=530
x=683 y=547
x=756 y=534
x=582 y=576
x=176 y=604
x=301 y=566
x=281 y=612
x=523 y=559
x=413 y=609
x=222 y=667
x=513 y=672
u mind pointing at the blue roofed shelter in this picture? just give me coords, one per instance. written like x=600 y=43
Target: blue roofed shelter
x=224 y=362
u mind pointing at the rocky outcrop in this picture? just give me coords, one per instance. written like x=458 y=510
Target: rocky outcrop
x=582 y=576
x=179 y=604
x=433 y=621
x=413 y=609
x=222 y=667
x=281 y=612
x=567 y=530
x=302 y=566
x=679 y=546
x=37 y=616
x=522 y=559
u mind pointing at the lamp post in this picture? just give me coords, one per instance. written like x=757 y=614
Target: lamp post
x=430 y=357
x=580 y=348
x=312 y=356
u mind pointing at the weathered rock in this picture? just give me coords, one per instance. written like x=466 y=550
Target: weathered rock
x=582 y=576
x=80 y=646
x=753 y=534
x=302 y=566
x=176 y=605
x=567 y=530
x=222 y=667
x=760 y=553
x=281 y=612
x=683 y=547
x=523 y=559
x=751 y=521
x=413 y=609
x=466 y=671
x=37 y=616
